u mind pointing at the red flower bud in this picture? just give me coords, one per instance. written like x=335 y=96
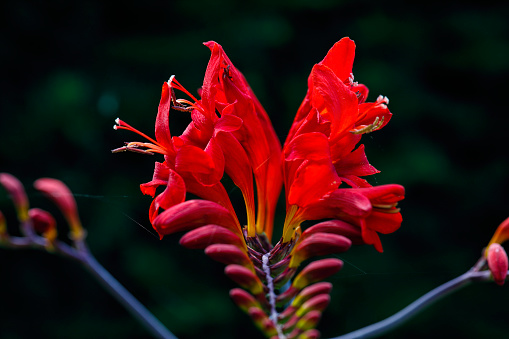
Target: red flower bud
x=497 y=262
x=228 y=254
x=17 y=192
x=243 y=299
x=64 y=199
x=43 y=222
x=317 y=271
x=319 y=244
x=317 y=303
x=208 y=235
x=245 y=278
x=309 y=321
x=311 y=291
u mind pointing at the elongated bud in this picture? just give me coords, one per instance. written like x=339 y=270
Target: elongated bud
x=317 y=303
x=309 y=321
x=498 y=263
x=208 y=235
x=319 y=244
x=317 y=271
x=310 y=334
x=3 y=227
x=43 y=222
x=338 y=227
x=228 y=254
x=17 y=193
x=60 y=194
x=262 y=322
x=311 y=291
x=245 y=278
x=244 y=300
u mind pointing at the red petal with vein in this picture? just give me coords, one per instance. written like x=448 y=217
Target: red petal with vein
x=192 y=214
x=355 y=163
x=370 y=110
x=338 y=227
x=342 y=202
x=228 y=123
x=174 y=194
x=160 y=177
x=310 y=146
x=312 y=181
x=228 y=254
x=340 y=58
x=334 y=100
x=384 y=194
x=193 y=159
x=319 y=244
x=214 y=151
x=162 y=130
x=208 y=235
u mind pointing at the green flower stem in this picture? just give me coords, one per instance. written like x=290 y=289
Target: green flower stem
x=125 y=298
x=397 y=319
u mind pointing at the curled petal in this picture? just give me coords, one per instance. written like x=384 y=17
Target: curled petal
x=208 y=235
x=174 y=194
x=192 y=214
x=317 y=271
x=319 y=244
x=17 y=192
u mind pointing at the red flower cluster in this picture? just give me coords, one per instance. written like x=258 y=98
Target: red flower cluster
x=319 y=165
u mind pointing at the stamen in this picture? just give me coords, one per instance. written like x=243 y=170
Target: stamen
x=377 y=123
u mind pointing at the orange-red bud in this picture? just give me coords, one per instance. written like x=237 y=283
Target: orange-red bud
x=317 y=271
x=263 y=322
x=501 y=234
x=243 y=299
x=17 y=192
x=43 y=222
x=60 y=194
x=311 y=291
x=245 y=278
x=310 y=334
x=228 y=254
x=498 y=263
x=319 y=244
x=317 y=303
x=210 y=234
x=309 y=321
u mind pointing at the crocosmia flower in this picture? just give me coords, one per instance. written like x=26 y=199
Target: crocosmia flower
x=321 y=165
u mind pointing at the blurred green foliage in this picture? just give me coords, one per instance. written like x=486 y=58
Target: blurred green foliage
x=70 y=68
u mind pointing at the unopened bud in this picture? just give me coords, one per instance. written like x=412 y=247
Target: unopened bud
x=319 y=244
x=43 y=222
x=244 y=300
x=310 y=334
x=228 y=254
x=309 y=321
x=60 y=194
x=245 y=278
x=317 y=271
x=208 y=235
x=498 y=263
x=17 y=192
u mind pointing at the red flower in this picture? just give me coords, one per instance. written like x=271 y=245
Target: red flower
x=321 y=166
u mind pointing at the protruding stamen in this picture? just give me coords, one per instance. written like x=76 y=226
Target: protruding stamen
x=377 y=123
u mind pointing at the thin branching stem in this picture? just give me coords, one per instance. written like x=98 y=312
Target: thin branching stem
x=434 y=295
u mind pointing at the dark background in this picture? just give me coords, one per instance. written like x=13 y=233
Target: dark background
x=69 y=69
